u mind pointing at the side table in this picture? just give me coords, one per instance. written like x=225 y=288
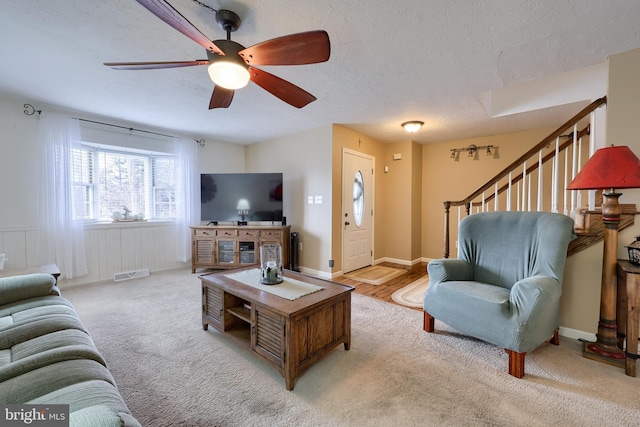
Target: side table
x=51 y=269
x=628 y=312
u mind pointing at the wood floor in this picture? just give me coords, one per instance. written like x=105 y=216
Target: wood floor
x=383 y=292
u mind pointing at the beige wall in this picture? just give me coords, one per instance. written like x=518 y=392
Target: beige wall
x=305 y=160
x=218 y=157
x=346 y=138
x=397 y=199
x=444 y=178
x=455 y=180
x=623 y=122
x=581 y=289
x=580 y=302
x=416 y=206
x=408 y=201
x=401 y=201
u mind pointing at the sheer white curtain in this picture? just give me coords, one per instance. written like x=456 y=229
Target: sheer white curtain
x=60 y=237
x=187 y=194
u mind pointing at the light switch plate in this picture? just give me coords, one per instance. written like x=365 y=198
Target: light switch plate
x=318 y=200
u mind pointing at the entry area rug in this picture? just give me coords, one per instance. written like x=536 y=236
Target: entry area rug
x=412 y=295
x=172 y=373
x=375 y=274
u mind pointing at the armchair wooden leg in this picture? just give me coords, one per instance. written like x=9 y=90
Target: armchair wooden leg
x=428 y=323
x=555 y=339
x=516 y=363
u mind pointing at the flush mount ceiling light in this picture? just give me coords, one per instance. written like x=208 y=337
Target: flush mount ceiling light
x=412 y=126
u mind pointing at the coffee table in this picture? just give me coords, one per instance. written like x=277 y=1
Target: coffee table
x=290 y=335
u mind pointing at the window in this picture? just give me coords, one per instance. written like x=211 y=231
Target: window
x=358 y=198
x=110 y=179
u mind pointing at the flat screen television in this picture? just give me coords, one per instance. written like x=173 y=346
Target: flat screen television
x=241 y=197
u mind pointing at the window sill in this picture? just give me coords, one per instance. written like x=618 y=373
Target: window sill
x=97 y=225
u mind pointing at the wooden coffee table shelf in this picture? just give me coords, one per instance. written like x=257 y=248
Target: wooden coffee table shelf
x=290 y=335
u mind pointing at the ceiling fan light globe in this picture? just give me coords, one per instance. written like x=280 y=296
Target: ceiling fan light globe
x=229 y=75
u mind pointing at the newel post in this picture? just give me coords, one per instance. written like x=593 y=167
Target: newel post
x=446 y=229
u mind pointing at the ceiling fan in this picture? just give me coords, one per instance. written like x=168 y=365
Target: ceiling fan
x=231 y=65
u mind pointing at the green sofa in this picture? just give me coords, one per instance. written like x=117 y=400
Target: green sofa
x=48 y=357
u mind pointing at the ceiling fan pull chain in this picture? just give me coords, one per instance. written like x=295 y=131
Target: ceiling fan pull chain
x=205 y=5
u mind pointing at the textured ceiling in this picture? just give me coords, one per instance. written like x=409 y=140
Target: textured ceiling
x=391 y=61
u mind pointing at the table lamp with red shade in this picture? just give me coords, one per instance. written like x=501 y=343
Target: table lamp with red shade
x=609 y=168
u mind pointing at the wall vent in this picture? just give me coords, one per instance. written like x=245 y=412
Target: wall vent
x=119 y=277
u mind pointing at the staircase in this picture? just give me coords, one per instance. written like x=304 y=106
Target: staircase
x=590 y=227
x=536 y=181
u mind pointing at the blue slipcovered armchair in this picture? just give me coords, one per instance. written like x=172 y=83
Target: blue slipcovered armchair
x=504 y=288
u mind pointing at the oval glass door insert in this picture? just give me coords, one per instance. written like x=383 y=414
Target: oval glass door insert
x=358 y=198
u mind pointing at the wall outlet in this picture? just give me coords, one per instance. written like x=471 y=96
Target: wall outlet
x=330 y=263
x=456 y=244
x=299 y=246
x=310 y=200
x=318 y=200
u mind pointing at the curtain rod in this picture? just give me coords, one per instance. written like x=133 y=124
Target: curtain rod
x=30 y=110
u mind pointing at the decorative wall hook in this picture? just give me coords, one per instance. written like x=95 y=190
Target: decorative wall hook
x=30 y=110
x=473 y=151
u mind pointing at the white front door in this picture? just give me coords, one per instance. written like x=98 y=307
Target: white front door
x=357 y=210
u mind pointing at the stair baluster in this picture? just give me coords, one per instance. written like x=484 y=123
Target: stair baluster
x=519 y=178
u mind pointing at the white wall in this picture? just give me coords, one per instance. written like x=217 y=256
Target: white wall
x=111 y=248
x=220 y=157
x=305 y=161
x=18 y=161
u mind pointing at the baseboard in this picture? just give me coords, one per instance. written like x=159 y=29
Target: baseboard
x=565 y=332
x=576 y=334
x=318 y=273
x=401 y=261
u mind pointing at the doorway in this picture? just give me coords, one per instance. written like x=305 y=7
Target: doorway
x=357 y=210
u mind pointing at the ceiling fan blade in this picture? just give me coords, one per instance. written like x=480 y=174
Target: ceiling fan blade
x=154 y=65
x=288 y=92
x=221 y=97
x=168 y=14
x=296 y=49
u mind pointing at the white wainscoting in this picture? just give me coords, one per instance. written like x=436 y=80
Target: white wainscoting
x=111 y=248
x=19 y=245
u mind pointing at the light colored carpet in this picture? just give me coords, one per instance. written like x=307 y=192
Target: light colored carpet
x=412 y=295
x=375 y=274
x=172 y=373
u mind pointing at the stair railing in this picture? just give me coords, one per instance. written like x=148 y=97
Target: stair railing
x=524 y=179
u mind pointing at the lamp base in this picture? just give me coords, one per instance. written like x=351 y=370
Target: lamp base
x=611 y=356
